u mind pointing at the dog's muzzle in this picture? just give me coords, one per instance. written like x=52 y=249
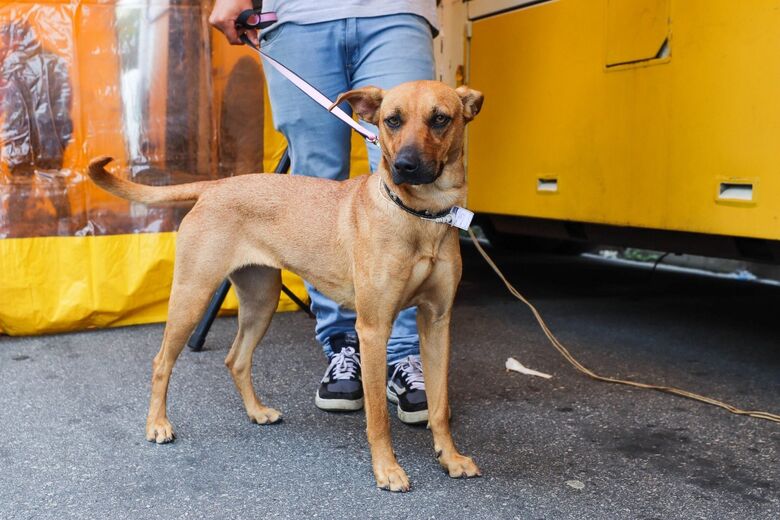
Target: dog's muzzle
x=408 y=168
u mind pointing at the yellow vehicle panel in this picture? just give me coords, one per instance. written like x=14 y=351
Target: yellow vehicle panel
x=650 y=113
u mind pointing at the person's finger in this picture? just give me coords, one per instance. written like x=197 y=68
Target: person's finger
x=253 y=36
x=230 y=32
x=226 y=26
x=216 y=20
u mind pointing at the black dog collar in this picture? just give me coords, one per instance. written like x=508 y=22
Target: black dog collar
x=442 y=217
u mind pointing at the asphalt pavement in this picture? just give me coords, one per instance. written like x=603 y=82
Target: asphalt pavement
x=72 y=411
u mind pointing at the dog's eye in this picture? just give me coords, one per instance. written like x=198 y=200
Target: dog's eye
x=393 y=121
x=440 y=121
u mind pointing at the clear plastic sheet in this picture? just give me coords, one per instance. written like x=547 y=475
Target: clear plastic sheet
x=147 y=83
x=137 y=80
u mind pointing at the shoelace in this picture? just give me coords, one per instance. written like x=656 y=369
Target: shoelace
x=344 y=364
x=411 y=372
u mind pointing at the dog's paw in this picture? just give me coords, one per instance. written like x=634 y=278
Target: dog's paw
x=459 y=466
x=391 y=477
x=159 y=431
x=264 y=415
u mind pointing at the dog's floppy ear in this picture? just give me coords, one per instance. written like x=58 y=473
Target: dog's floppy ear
x=472 y=101
x=364 y=101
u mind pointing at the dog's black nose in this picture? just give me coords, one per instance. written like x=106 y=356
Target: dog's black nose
x=406 y=162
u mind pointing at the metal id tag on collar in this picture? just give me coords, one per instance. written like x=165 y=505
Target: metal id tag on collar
x=460 y=218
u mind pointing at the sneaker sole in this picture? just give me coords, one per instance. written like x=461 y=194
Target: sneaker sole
x=417 y=417
x=338 y=405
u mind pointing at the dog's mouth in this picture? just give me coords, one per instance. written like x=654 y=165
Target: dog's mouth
x=424 y=175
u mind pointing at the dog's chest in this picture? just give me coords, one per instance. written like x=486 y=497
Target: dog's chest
x=422 y=266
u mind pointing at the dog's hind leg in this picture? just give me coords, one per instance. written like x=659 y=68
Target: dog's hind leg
x=190 y=296
x=258 y=295
x=197 y=274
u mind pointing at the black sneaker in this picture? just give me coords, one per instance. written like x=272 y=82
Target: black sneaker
x=406 y=388
x=341 y=389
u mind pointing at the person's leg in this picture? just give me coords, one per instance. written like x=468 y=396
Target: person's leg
x=391 y=50
x=319 y=146
x=333 y=320
x=319 y=143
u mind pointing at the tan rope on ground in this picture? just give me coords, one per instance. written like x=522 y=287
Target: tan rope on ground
x=579 y=366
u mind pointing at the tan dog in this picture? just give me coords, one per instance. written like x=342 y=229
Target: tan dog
x=348 y=239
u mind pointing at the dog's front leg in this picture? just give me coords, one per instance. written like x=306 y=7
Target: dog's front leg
x=373 y=333
x=434 y=325
x=434 y=312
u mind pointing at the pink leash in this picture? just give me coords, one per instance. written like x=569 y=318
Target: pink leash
x=252 y=19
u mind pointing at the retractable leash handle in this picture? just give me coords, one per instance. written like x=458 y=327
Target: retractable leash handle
x=255 y=18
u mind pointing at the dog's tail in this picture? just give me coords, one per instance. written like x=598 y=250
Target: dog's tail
x=182 y=193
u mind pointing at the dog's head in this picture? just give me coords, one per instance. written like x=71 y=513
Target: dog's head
x=420 y=124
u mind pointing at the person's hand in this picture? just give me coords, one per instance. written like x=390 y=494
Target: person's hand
x=223 y=17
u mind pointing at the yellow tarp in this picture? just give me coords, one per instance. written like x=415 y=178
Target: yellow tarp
x=54 y=284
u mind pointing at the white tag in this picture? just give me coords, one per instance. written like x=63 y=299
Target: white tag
x=461 y=217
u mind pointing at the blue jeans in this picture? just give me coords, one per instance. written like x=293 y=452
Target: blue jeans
x=335 y=57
